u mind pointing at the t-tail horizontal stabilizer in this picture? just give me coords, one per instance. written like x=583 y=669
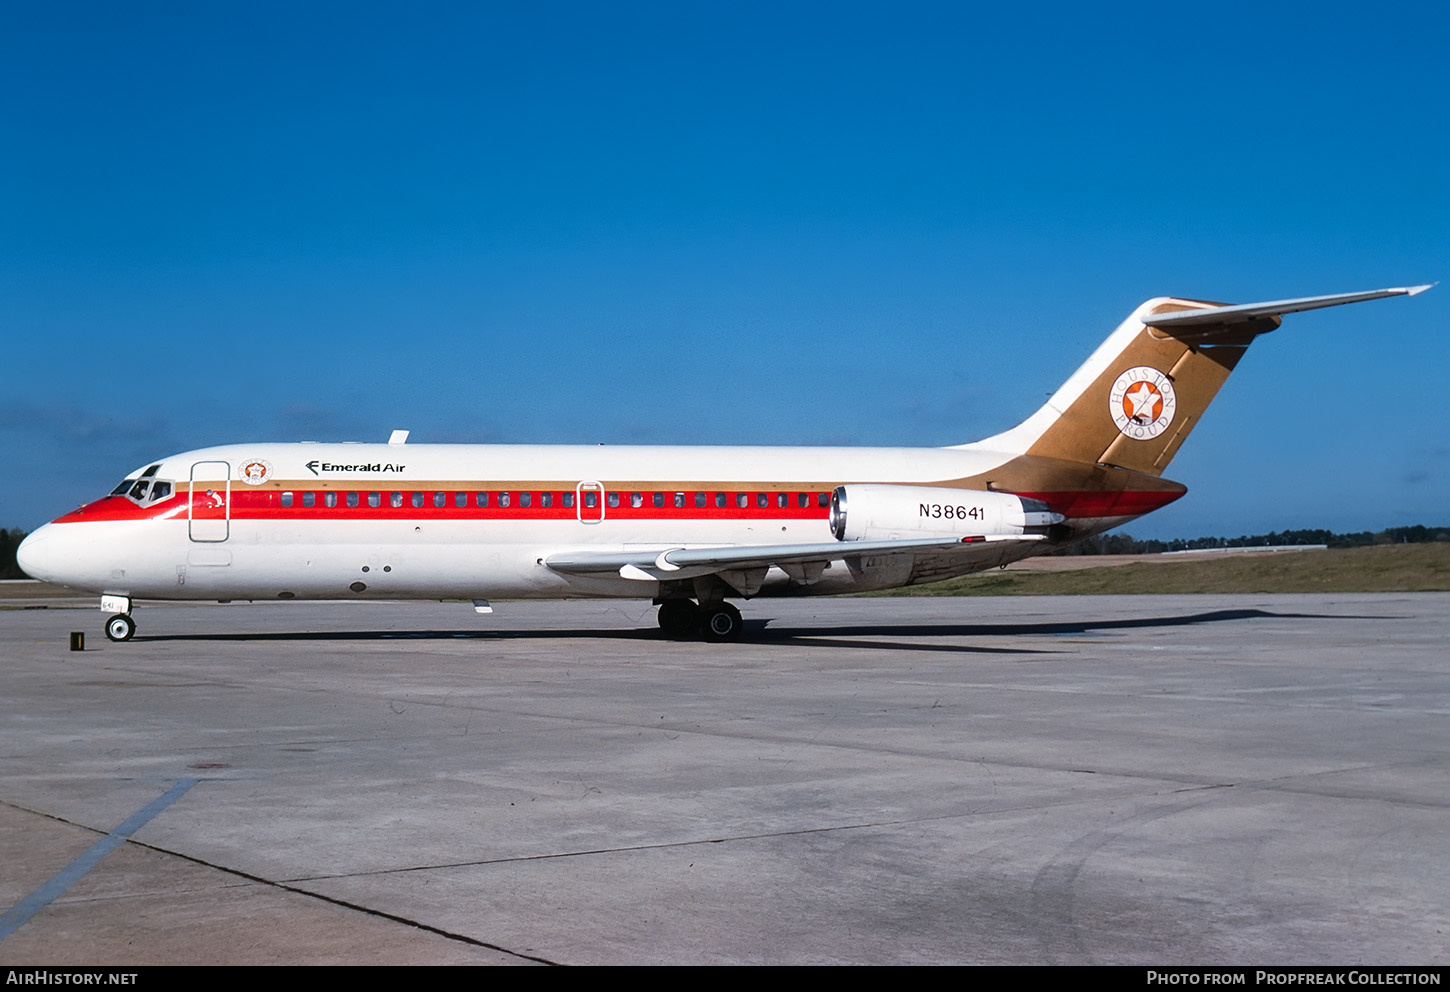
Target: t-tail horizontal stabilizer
x=1247 y=311
x=1133 y=402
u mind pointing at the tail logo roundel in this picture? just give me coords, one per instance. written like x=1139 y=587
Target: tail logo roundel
x=1142 y=403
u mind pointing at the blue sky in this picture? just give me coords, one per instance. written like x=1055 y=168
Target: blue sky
x=777 y=223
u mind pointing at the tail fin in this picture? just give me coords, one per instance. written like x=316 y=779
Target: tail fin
x=1134 y=401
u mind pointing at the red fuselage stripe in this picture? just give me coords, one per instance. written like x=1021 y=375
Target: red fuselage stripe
x=267 y=505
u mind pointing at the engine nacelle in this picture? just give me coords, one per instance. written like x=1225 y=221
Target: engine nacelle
x=886 y=513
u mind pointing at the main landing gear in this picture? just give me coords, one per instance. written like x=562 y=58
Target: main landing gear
x=714 y=621
x=678 y=617
x=119 y=627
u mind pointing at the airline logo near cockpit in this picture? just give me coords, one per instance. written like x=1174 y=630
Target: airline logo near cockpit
x=317 y=467
x=256 y=471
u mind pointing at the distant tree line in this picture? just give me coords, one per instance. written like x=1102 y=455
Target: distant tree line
x=1126 y=544
x=9 y=541
x=1103 y=544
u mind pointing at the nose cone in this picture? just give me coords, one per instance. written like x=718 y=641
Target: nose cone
x=33 y=555
x=67 y=555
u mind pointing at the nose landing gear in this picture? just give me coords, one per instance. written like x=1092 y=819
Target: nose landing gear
x=120 y=627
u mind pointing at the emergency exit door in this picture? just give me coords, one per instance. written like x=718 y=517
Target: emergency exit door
x=590 y=504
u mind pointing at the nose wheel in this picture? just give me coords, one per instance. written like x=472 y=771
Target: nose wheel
x=120 y=627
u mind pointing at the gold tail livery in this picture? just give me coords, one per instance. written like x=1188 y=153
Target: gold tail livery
x=689 y=528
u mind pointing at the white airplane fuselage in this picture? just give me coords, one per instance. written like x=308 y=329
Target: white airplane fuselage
x=404 y=521
x=687 y=527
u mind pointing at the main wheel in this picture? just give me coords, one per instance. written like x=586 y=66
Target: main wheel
x=678 y=616
x=720 y=622
x=120 y=627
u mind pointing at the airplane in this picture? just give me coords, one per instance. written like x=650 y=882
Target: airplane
x=688 y=528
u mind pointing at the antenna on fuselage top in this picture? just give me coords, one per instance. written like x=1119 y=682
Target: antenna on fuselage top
x=398 y=437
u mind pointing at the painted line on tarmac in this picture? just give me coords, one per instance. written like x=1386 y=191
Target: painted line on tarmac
x=19 y=914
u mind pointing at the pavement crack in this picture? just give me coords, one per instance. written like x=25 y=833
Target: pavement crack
x=697 y=842
x=346 y=904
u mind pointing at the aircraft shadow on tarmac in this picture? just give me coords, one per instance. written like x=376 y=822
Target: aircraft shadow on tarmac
x=896 y=636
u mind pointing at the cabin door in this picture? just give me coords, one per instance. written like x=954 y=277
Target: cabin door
x=590 y=502
x=209 y=514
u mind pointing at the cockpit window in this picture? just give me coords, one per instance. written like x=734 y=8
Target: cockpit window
x=144 y=490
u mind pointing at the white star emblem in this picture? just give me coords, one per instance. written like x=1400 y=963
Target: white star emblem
x=1142 y=397
x=1142 y=402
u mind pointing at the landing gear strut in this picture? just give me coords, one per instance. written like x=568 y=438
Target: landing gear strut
x=120 y=627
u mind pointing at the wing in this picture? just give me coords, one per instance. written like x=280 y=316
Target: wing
x=803 y=562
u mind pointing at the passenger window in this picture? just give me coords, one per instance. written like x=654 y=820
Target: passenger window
x=659 y=499
x=503 y=499
x=762 y=500
x=636 y=500
x=526 y=499
x=481 y=499
x=823 y=499
x=546 y=499
x=613 y=499
x=700 y=499
x=396 y=500
x=329 y=499
x=782 y=500
x=720 y=499
x=309 y=499
x=417 y=498
x=591 y=499
x=460 y=500
x=742 y=500
x=568 y=500
x=375 y=499
x=286 y=499
x=802 y=500
x=679 y=500
x=352 y=499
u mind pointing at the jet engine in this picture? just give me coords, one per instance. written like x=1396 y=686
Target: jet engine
x=886 y=513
